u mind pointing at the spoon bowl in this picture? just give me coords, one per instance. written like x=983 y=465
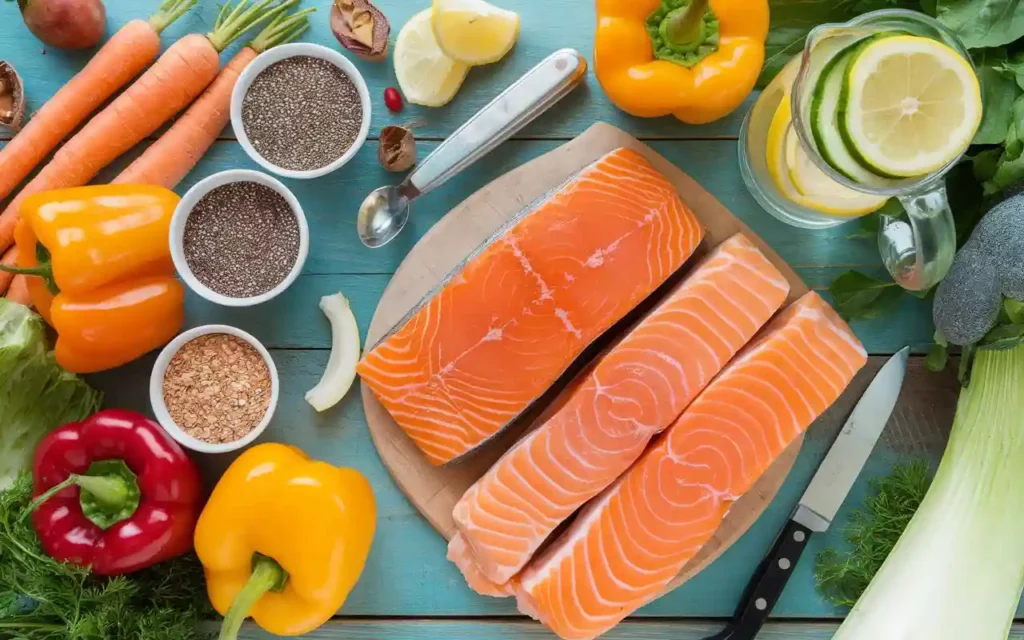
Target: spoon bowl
x=382 y=216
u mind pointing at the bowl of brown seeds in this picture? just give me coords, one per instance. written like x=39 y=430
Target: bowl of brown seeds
x=239 y=238
x=301 y=110
x=214 y=389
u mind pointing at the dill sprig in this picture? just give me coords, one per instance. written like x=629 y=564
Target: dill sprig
x=872 y=533
x=42 y=599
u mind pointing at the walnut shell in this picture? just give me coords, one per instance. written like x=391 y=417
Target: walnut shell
x=12 y=97
x=361 y=28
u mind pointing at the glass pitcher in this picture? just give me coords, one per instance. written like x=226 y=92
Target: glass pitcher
x=917 y=252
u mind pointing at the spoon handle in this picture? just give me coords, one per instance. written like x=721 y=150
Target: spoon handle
x=517 y=106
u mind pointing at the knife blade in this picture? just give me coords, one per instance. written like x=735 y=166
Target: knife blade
x=824 y=495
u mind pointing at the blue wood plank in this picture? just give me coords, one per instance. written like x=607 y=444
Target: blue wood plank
x=546 y=26
x=483 y=630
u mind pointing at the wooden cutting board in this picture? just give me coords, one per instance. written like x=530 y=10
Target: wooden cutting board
x=435 y=490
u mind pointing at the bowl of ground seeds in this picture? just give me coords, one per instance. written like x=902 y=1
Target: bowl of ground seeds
x=214 y=389
x=239 y=238
x=301 y=110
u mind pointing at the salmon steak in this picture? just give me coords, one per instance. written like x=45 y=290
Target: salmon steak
x=502 y=329
x=637 y=389
x=627 y=544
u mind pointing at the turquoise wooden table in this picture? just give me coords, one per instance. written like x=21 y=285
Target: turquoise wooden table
x=409 y=590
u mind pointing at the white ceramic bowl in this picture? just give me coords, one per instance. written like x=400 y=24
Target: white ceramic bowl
x=278 y=54
x=189 y=201
x=163 y=416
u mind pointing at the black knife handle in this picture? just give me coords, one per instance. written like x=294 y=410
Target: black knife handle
x=768 y=582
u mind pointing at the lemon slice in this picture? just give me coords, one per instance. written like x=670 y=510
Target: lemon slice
x=801 y=181
x=427 y=76
x=910 y=105
x=473 y=31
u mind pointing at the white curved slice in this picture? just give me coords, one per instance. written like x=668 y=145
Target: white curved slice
x=341 y=366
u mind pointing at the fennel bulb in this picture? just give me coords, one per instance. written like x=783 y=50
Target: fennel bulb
x=958 y=569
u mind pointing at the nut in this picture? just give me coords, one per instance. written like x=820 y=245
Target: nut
x=397 y=150
x=12 y=97
x=361 y=28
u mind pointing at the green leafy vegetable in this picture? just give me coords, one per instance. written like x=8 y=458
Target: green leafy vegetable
x=872 y=533
x=861 y=297
x=36 y=395
x=1000 y=91
x=983 y=23
x=42 y=599
x=792 y=20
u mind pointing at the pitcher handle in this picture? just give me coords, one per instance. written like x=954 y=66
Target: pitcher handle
x=919 y=254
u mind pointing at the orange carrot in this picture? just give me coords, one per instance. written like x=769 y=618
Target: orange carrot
x=170 y=85
x=9 y=259
x=168 y=160
x=122 y=58
x=19 y=291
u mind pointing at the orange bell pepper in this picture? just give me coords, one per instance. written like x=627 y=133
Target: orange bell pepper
x=659 y=57
x=284 y=539
x=101 y=271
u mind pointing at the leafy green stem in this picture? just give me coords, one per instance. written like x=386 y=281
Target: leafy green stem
x=234 y=21
x=284 y=28
x=168 y=12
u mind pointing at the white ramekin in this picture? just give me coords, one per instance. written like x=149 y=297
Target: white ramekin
x=163 y=416
x=278 y=54
x=184 y=209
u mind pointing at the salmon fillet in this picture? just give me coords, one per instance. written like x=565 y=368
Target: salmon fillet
x=636 y=390
x=501 y=331
x=627 y=544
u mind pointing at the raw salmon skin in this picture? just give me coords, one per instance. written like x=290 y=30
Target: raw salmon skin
x=632 y=540
x=637 y=389
x=503 y=328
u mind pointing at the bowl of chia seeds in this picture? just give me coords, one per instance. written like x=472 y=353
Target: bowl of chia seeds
x=301 y=110
x=239 y=238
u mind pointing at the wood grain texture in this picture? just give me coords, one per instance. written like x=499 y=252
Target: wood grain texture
x=546 y=26
x=436 y=490
x=628 y=630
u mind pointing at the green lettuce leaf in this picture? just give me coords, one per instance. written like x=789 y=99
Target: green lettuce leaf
x=36 y=394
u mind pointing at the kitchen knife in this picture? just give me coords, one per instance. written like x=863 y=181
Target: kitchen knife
x=819 y=504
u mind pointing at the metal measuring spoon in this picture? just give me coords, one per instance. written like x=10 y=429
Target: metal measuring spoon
x=383 y=214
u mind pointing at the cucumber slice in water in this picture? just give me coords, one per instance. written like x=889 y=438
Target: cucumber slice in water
x=824 y=114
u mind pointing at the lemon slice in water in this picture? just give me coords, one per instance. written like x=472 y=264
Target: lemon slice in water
x=909 y=106
x=427 y=76
x=800 y=181
x=473 y=31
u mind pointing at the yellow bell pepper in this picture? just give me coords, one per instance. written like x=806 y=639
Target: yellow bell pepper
x=284 y=539
x=659 y=57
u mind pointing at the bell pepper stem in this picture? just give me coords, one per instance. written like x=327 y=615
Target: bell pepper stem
x=27 y=271
x=684 y=27
x=267 y=575
x=109 y=493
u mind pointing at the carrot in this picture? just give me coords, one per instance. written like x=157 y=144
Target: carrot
x=170 y=85
x=123 y=57
x=168 y=160
x=9 y=259
x=19 y=291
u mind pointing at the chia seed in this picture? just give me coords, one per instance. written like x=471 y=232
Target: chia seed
x=302 y=113
x=241 y=239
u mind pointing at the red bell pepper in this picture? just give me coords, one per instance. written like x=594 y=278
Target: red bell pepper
x=114 y=493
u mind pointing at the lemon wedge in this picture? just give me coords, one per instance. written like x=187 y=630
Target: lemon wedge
x=474 y=32
x=427 y=76
x=909 y=106
x=801 y=181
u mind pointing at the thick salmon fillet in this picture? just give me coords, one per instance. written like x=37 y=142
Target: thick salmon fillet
x=501 y=331
x=636 y=390
x=629 y=542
